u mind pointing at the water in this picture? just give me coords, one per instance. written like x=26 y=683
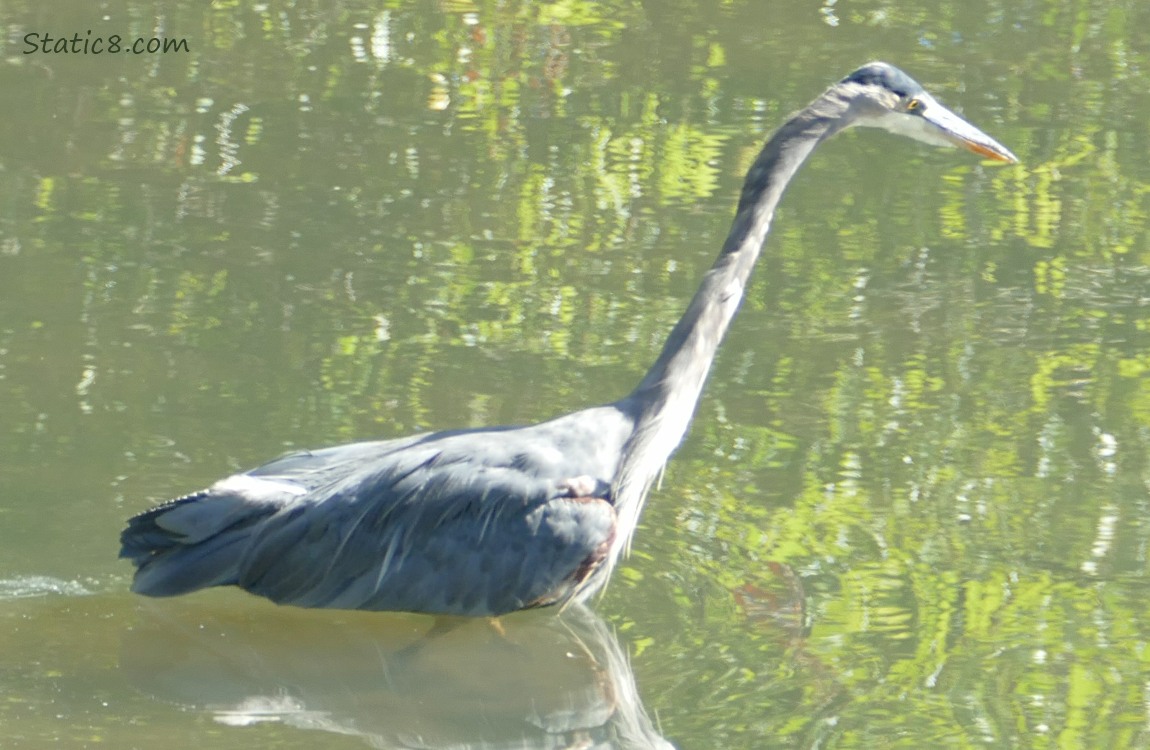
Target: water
x=912 y=510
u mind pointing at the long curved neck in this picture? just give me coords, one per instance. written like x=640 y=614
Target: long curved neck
x=665 y=400
x=682 y=366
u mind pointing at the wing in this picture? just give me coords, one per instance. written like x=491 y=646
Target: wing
x=469 y=522
x=451 y=538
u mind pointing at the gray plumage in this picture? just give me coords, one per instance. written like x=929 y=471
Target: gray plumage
x=484 y=522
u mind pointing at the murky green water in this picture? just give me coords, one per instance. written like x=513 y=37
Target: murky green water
x=912 y=512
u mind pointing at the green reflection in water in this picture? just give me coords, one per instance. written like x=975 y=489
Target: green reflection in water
x=912 y=511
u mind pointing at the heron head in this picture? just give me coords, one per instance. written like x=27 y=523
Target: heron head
x=883 y=96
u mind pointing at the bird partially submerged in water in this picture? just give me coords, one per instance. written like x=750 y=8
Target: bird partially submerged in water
x=488 y=521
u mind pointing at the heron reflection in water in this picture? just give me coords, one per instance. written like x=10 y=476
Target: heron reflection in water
x=545 y=682
x=488 y=521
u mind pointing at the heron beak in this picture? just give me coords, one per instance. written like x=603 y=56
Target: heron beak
x=959 y=132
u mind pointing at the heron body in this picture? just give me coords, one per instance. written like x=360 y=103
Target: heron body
x=488 y=521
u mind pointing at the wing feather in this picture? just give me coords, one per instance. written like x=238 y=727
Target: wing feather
x=472 y=522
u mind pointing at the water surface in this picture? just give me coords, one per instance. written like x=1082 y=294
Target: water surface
x=912 y=510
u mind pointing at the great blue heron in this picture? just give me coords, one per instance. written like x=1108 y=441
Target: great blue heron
x=487 y=521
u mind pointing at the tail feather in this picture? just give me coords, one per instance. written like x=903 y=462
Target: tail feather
x=144 y=537
x=191 y=543
x=184 y=569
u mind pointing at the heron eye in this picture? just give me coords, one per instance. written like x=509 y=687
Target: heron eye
x=913 y=105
